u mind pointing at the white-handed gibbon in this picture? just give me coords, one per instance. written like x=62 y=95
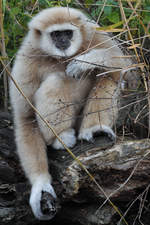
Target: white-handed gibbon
x=54 y=68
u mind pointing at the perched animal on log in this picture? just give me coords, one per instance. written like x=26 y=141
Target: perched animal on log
x=55 y=68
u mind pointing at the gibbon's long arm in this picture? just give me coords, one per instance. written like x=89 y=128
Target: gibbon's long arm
x=105 y=58
x=31 y=147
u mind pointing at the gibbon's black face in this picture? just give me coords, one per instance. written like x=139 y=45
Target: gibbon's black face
x=62 y=38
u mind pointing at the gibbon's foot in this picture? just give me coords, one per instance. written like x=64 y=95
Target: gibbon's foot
x=36 y=202
x=88 y=133
x=68 y=137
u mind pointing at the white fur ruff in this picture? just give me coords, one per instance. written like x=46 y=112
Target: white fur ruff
x=48 y=46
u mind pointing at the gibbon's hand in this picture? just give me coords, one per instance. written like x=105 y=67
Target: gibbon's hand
x=75 y=69
x=79 y=65
x=36 y=200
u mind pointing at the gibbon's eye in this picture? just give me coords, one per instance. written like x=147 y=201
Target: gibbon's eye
x=63 y=33
x=55 y=34
x=68 y=33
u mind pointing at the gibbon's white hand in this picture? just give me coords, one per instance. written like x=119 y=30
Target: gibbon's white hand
x=35 y=199
x=75 y=69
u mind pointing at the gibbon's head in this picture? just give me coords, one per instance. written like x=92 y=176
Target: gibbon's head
x=59 y=31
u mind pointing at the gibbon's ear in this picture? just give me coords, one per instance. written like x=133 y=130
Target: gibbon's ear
x=36 y=26
x=37 y=32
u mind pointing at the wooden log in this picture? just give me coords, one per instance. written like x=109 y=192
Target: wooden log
x=121 y=169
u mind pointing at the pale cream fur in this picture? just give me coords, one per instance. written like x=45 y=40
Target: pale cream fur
x=46 y=76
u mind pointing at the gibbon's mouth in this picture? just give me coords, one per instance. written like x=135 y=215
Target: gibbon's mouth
x=61 y=56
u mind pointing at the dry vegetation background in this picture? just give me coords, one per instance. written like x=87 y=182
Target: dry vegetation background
x=129 y=20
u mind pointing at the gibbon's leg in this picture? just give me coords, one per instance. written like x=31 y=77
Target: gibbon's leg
x=101 y=109
x=56 y=102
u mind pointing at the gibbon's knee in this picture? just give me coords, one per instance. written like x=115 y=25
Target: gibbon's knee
x=101 y=110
